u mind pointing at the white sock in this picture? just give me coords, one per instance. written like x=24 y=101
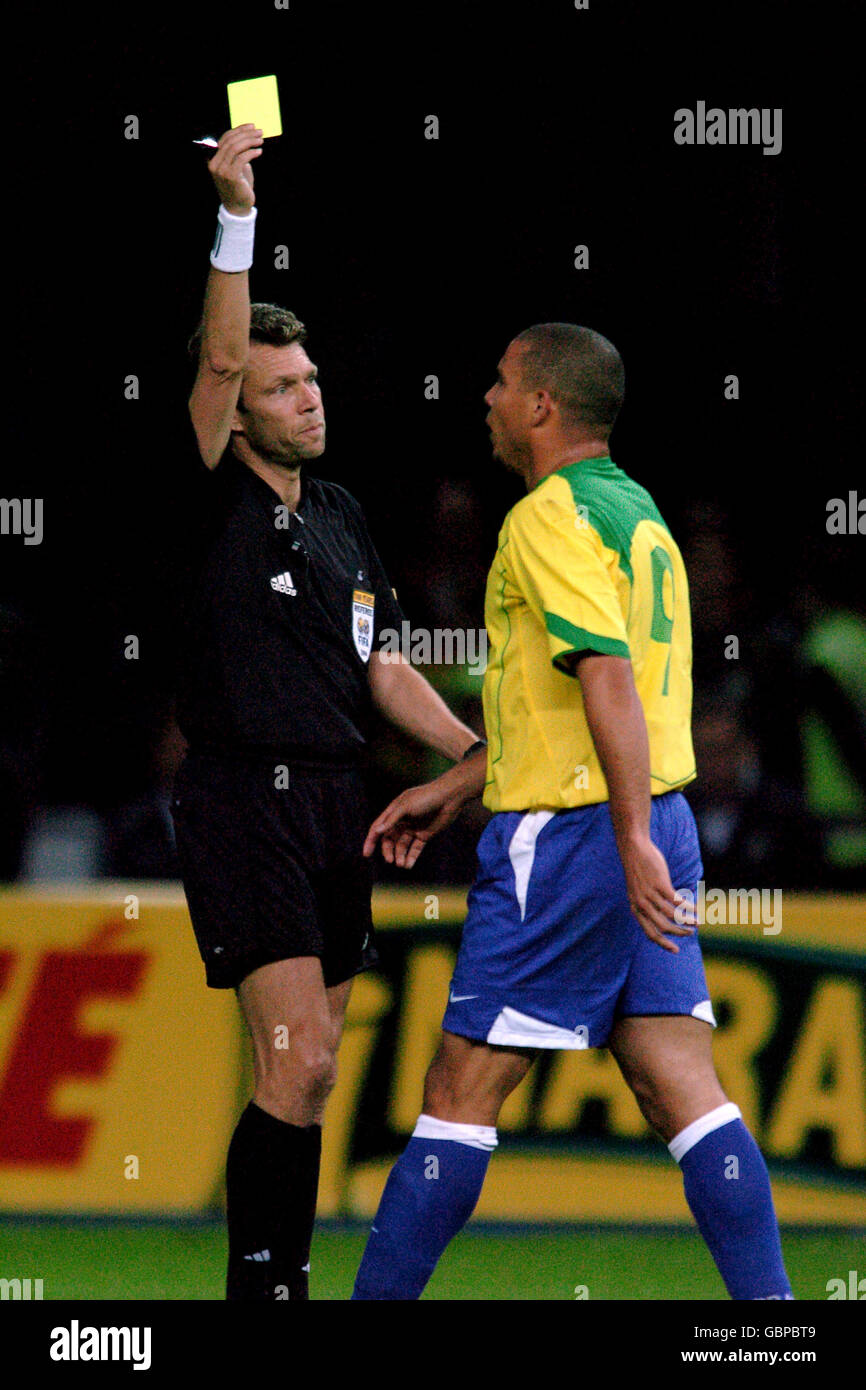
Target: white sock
x=693 y=1133
x=476 y=1136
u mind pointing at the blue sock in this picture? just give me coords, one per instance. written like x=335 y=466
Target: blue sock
x=430 y=1195
x=728 y=1190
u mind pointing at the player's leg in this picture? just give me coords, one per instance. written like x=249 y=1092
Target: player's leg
x=434 y=1186
x=539 y=940
x=468 y=1082
x=272 y=1173
x=667 y=1061
x=662 y=1040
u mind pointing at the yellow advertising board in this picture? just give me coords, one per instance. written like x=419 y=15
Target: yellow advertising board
x=122 y=1075
x=119 y=1073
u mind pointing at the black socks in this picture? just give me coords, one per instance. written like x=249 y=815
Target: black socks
x=272 y=1177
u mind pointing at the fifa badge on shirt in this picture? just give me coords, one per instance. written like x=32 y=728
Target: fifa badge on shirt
x=362 y=622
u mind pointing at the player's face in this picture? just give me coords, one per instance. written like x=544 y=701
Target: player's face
x=509 y=411
x=283 y=419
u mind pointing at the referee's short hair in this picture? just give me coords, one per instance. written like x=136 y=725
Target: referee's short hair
x=269 y=323
x=582 y=371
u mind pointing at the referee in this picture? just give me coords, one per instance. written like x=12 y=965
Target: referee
x=566 y=943
x=280 y=668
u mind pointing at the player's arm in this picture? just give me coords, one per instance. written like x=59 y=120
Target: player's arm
x=409 y=701
x=226 y=320
x=616 y=721
x=416 y=815
x=405 y=698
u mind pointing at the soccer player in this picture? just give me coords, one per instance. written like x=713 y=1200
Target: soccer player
x=281 y=667
x=572 y=937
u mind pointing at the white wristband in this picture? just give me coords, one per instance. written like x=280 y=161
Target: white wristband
x=233 y=245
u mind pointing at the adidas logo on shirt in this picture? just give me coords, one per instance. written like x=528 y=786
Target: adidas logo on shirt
x=283 y=583
x=260 y=1255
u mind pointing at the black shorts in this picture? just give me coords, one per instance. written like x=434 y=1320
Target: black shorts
x=272 y=873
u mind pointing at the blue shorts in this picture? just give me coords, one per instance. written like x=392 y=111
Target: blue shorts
x=551 y=954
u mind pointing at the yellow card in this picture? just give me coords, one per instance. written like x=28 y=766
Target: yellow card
x=256 y=101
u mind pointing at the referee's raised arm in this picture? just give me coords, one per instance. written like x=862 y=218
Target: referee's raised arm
x=225 y=327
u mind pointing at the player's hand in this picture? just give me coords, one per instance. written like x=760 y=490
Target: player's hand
x=651 y=894
x=231 y=169
x=412 y=819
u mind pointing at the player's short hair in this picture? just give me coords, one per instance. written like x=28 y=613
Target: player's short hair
x=582 y=371
x=269 y=323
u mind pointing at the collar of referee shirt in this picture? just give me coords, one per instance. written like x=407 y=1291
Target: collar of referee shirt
x=243 y=475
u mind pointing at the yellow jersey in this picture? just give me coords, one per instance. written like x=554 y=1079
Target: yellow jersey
x=585 y=563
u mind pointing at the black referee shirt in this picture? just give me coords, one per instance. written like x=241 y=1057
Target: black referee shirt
x=280 y=622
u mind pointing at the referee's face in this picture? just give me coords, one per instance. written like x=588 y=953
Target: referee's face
x=281 y=415
x=509 y=407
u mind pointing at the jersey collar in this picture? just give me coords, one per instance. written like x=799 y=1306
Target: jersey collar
x=602 y=463
x=254 y=486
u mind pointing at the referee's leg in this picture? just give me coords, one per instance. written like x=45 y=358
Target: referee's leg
x=295 y=1025
x=272 y=1173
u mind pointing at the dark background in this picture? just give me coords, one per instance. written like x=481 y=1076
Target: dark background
x=410 y=257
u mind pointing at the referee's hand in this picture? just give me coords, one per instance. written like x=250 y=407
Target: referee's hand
x=412 y=819
x=231 y=170
x=651 y=894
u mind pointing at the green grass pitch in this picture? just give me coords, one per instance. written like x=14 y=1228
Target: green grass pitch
x=119 y=1260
